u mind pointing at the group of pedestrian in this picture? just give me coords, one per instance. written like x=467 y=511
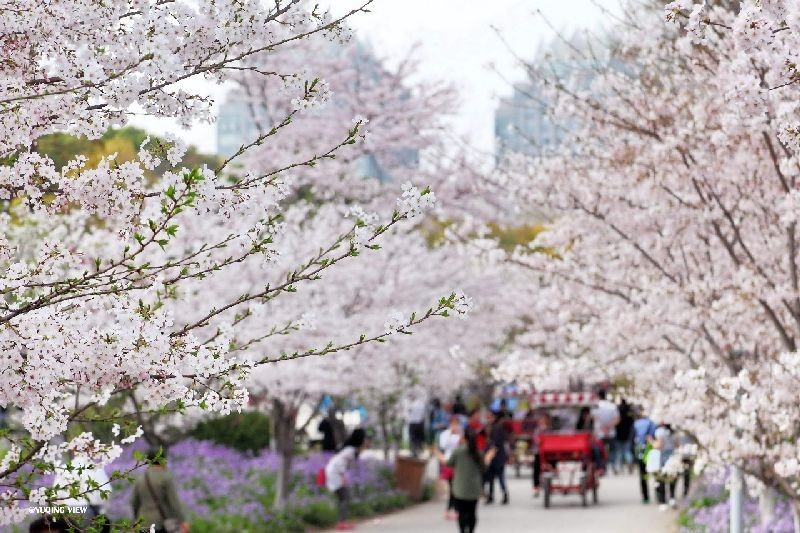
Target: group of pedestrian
x=425 y=421
x=473 y=450
x=654 y=444
x=468 y=465
x=629 y=437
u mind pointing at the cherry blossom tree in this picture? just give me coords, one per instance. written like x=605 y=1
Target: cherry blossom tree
x=381 y=295
x=110 y=280
x=673 y=206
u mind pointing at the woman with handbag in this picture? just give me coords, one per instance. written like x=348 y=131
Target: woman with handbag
x=155 y=500
x=449 y=440
x=468 y=464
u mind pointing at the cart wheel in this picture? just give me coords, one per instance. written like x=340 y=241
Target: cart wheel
x=546 y=490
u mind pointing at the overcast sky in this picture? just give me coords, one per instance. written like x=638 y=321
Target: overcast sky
x=456 y=43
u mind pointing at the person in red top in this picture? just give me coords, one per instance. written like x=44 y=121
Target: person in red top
x=480 y=432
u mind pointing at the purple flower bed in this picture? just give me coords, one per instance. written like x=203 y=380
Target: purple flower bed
x=709 y=512
x=215 y=481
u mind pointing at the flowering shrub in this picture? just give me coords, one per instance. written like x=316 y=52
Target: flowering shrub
x=227 y=490
x=709 y=510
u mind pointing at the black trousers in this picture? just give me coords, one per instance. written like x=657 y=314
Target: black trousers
x=687 y=476
x=416 y=437
x=497 y=470
x=661 y=489
x=537 y=471
x=467 y=515
x=343 y=498
x=643 y=479
x=451 y=500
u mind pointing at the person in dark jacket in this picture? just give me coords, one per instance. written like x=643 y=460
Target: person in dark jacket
x=622 y=445
x=326 y=427
x=498 y=441
x=458 y=406
x=585 y=421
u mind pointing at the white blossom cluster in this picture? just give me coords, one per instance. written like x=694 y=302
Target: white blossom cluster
x=414 y=202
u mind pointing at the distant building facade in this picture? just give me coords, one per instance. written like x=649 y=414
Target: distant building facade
x=522 y=124
x=238 y=120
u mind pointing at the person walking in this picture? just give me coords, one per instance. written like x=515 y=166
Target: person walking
x=497 y=441
x=459 y=408
x=621 y=446
x=468 y=465
x=605 y=418
x=688 y=446
x=326 y=427
x=542 y=426
x=585 y=421
x=664 y=440
x=449 y=440
x=415 y=420
x=155 y=500
x=336 y=474
x=644 y=431
x=475 y=422
x=504 y=411
x=438 y=420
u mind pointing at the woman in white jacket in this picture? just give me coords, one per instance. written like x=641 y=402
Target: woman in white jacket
x=449 y=440
x=336 y=473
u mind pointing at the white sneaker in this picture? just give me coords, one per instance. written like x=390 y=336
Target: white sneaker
x=662 y=507
x=673 y=503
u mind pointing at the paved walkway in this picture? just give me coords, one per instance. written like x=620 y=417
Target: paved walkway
x=619 y=511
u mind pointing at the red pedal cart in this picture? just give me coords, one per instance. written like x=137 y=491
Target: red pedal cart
x=568 y=457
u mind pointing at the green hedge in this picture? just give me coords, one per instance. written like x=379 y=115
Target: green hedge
x=249 y=431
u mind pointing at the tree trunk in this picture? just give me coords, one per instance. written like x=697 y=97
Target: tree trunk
x=796 y=515
x=397 y=435
x=284 y=420
x=384 y=425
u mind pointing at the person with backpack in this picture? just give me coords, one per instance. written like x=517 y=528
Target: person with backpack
x=644 y=430
x=664 y=440
x=468 y=465
x=155 y=500
x=336 y=474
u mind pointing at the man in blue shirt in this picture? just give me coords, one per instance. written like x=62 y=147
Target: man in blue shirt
x=644 y=429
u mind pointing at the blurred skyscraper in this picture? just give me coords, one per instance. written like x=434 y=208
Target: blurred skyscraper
x=237 y=125
x=524 y=123
x=520 y=123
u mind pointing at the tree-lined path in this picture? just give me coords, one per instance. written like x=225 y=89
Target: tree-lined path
x=619 y=511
